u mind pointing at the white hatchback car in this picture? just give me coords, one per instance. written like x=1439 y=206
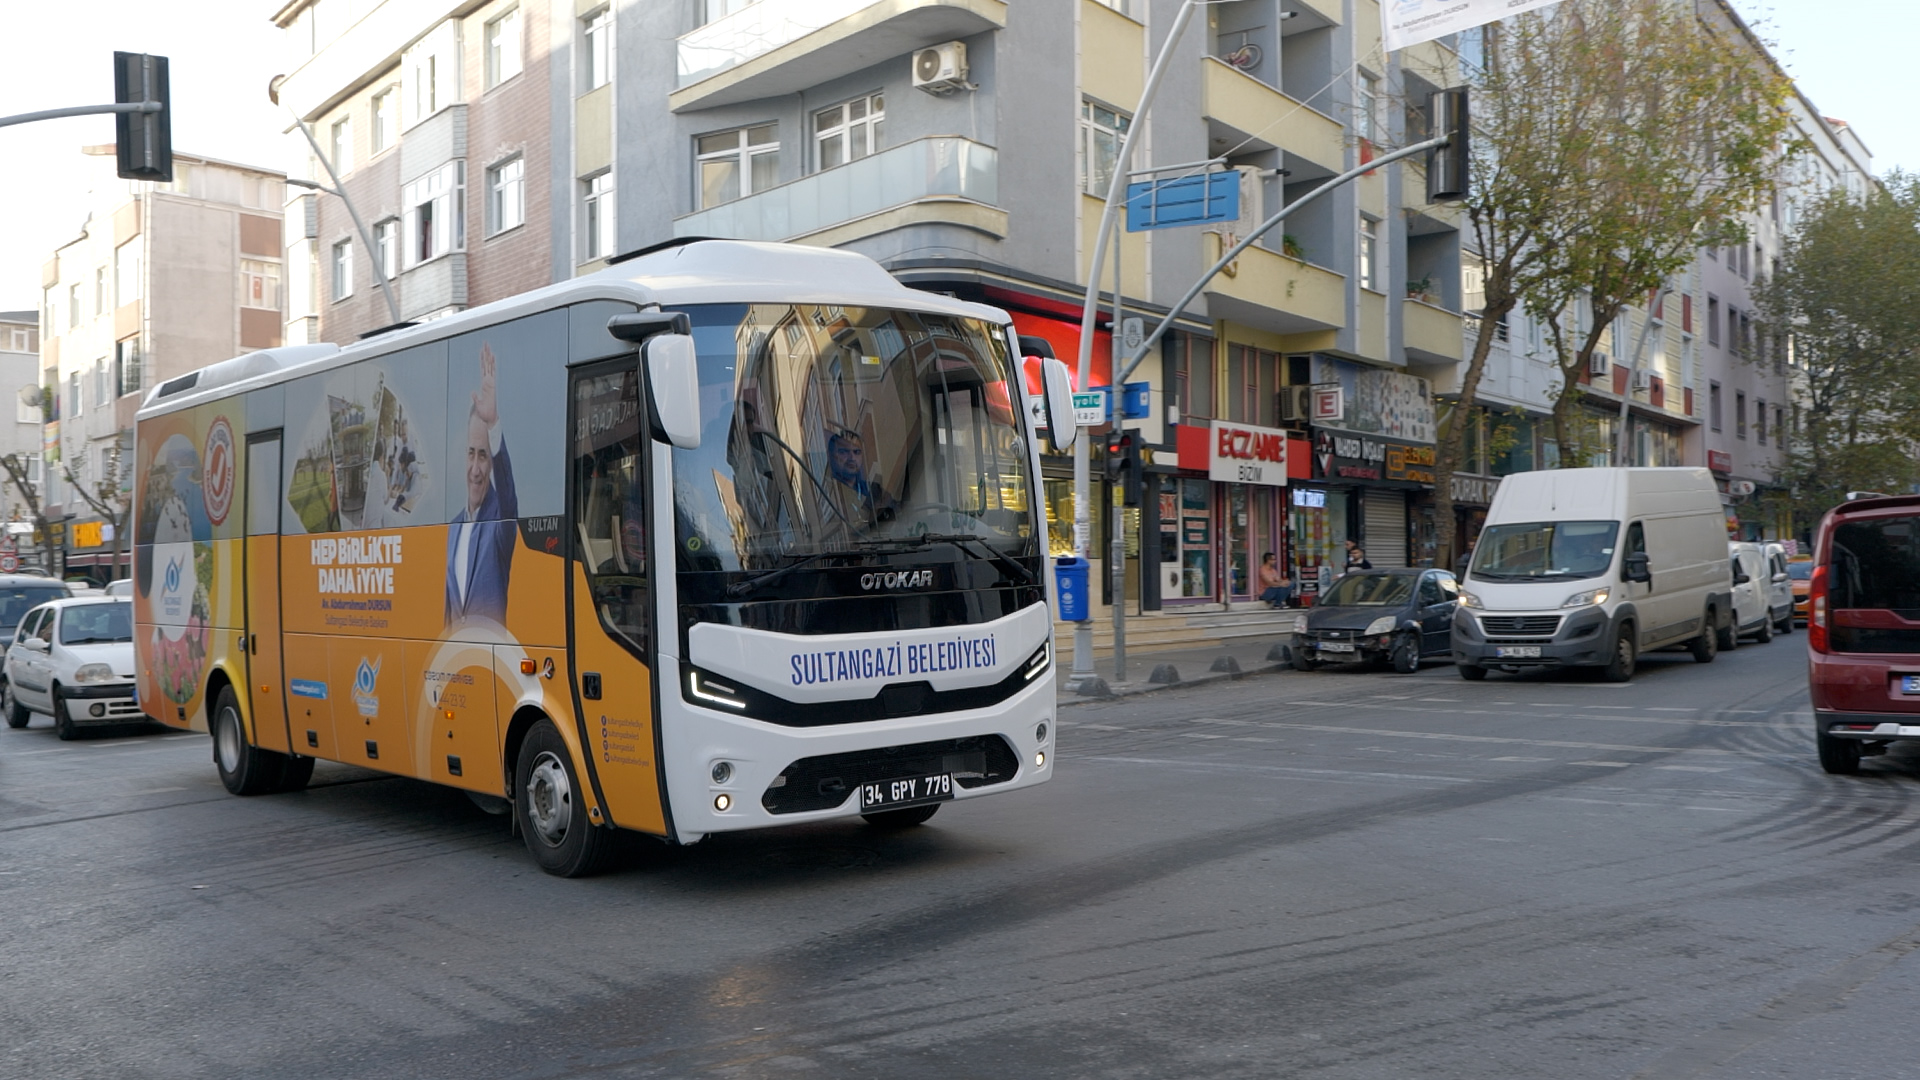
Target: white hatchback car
x=73 y=660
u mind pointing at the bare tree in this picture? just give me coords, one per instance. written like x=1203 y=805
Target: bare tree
x=107 y=496
x=17 y=475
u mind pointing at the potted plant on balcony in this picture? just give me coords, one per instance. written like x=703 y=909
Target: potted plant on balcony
x=1290 y=247
x=1423 y=291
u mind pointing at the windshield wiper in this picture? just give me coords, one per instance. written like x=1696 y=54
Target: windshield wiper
x=94 y=640
x=993 y=554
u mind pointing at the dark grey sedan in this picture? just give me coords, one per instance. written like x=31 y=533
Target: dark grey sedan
x=1395 y=616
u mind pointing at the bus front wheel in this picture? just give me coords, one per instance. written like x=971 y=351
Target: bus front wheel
x=552 y=812
x=244 y=769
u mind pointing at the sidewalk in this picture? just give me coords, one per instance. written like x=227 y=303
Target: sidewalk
x=1194 y=667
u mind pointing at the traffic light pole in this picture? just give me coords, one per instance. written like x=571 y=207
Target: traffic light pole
x=81 y=110
x=1117 y=544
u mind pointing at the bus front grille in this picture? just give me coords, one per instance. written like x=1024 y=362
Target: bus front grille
x=822 y=783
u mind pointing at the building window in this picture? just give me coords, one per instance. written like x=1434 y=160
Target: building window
x=430 y=71
x=341 y=146
x=259 y=284
x=100 y=291
x=1369 y=250
x=1713 y=406
x=25 y=413
x=75 y=403
x=386 y=247
x=1366 y=109
x=596 y=51
x=1739 y=414
x=713 y=10
x=1193 y=376
x=596 y=217
x=1780 y=427
x=503 y=48
x=1713 y=319
x=386 y=121
x=435 y=214
x=126 y=273
x=73 y=306
x=506 y=195
x=1101 y=132
x=849 y=131
x=101 y=390
x=343 y=269
x=126 y=366
x=737 y=163
x=1760 y=422
x=1733 y=330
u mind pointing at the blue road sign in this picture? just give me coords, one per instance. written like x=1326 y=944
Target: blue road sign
x=1186 y=200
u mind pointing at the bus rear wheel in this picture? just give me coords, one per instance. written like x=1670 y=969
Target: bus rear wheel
x=243 y=768
x=552 y=814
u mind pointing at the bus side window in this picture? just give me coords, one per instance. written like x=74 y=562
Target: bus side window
x=609 y=512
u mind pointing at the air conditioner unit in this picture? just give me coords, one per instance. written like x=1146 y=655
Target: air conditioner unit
x=1296 y=403
x=1599 y=364
x=1643 y=379
x=941 y=69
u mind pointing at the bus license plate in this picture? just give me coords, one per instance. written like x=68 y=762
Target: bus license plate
x=1910 y=684
x=1335 y=646
x=1519 y=652
x=905 y=791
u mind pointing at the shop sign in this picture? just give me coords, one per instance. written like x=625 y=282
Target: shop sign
x=1720 y=461
x=1240 y=454
x=1090 y=409
x=1476 y=490
x=1309 y=498
x=1341 y=456
x=1375 y=401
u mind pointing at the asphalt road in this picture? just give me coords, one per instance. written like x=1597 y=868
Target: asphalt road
x=1337 y=874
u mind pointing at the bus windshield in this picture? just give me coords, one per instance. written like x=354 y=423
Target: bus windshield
x=829 y=430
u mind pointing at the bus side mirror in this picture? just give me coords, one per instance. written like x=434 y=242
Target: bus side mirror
x=673 y=374
x=1057 y=398
x=1636 y=568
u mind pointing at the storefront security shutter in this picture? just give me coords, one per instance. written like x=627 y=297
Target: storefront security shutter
x=1386 y=527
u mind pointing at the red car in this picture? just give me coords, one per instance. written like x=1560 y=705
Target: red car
x=1863 y=630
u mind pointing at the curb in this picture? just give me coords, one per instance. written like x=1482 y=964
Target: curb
x=1116 y=691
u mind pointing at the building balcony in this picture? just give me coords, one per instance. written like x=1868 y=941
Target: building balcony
x=1272 y=292
x=778 y=47
x=1252 y=115
x=944 y=179
x=1432 y=335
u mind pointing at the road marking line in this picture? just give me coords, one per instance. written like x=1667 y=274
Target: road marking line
x=1690 y=768
x=1520 y=759
x=1607 y=764
x=1609 y=706
x=1661 y=708
x=1291 y=769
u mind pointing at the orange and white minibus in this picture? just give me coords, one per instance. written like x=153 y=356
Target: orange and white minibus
x=725 y=536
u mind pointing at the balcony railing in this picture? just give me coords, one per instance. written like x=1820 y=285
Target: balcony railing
x=944 y=166
x=754 y=30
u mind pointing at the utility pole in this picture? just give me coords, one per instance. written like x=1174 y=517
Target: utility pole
x=1622 y=446
x=339 y=191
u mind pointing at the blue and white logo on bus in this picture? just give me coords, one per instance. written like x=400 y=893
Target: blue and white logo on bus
x=173 y=601
x=366 y=679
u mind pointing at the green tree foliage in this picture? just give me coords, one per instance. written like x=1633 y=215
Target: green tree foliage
x=1842 y=304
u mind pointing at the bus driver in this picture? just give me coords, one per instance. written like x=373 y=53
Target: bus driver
x=480 y=540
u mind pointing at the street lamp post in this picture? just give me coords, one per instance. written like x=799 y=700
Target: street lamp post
x=339 y=191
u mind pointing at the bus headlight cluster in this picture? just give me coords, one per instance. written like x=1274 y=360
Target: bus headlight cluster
x=723 y=802
x=707 y=689
x=722 y=771
x=1038 y=662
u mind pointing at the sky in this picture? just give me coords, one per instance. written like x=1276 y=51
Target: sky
x=1846 y=55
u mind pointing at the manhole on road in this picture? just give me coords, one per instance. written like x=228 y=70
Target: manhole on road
x=827 y=857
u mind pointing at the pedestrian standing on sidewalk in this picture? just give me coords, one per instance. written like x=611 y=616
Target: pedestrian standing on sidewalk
x=1275 y=589
x=1357 y=557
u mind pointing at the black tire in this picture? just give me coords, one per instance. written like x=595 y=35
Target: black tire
x=18 y=715
x=63 y=724
x=1624 y=658
x=1705 y=647
x=295 y=775
x=1406 y=654
x=901 y=819
x=1840 y=757
x=1303 y=658
x=1471 y=672
x=244 y=769
x=550 y=810
x=1785 y=625
x=1765 y=633
x=1728 y=636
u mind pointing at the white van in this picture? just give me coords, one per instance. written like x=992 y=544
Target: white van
x=1592 y=567
x=1762 y=593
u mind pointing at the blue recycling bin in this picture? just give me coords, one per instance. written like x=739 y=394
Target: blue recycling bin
x=1070 y=578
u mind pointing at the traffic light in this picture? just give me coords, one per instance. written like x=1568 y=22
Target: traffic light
x=143 y=141
x=1447 y=165
x=1124 y=466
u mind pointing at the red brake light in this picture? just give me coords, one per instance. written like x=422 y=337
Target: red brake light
x=1817 y=610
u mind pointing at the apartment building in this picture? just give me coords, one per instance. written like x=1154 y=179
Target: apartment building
x=20 y=380
x=966 y=147
x=163 y=278
x=441 y=123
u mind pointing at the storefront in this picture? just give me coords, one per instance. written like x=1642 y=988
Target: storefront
x=1373 y=477
x=1225 y=510
x=1472 y=495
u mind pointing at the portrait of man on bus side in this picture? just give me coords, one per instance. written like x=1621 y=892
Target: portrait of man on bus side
x=481 y=537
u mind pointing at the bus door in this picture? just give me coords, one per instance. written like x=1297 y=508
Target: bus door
x=265 y=699
x=610 y=631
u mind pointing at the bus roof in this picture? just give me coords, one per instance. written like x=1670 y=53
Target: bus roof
x=696 y=272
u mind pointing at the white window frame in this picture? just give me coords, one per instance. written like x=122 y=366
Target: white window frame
x=843 y=128
x=126 y=358
x=386 y=244
x=102 y=389
x=263 y=277
x=430 y=73
x=442 y=195
x=25 y=413
x=1366 y=108
x=340 y=269
x=597 y=223
x=506 y=195
x=1366 y=261
x=503 y=47
x=743 y=154
x=596 y=49
x=101 y=303
x=385 y=129
x=1095 y=132
x=340 y=144
x=715 y=10
x=73 y=306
